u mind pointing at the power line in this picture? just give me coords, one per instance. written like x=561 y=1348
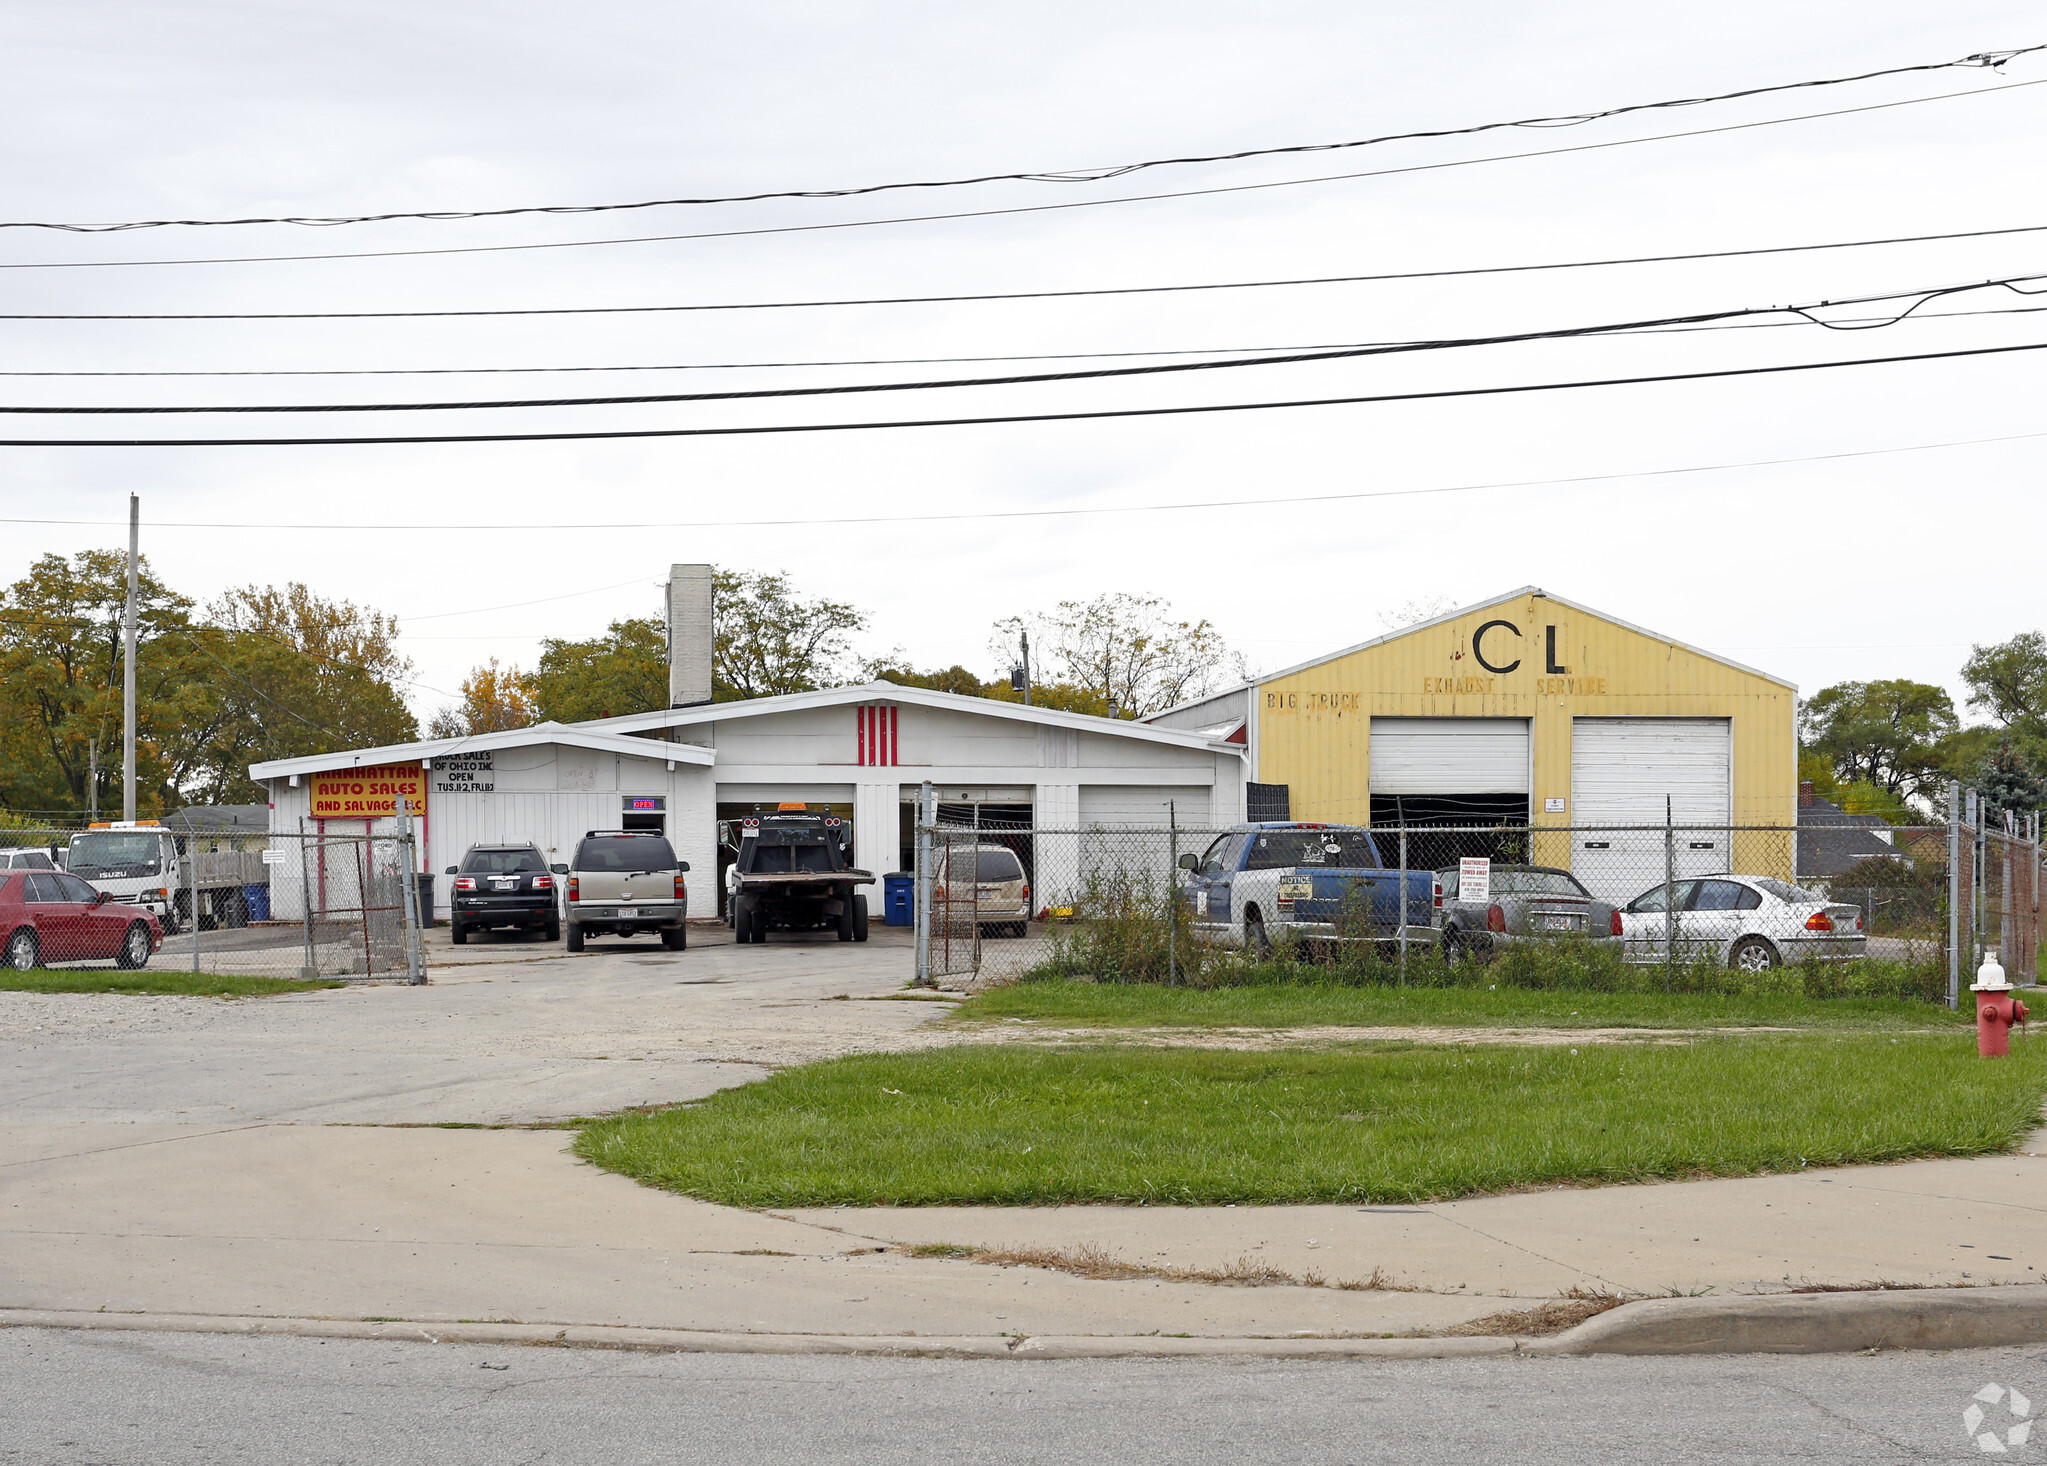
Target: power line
x=736 y=366
x=1068 y=512
x=778 y=305
x=1990 y=59
x=1100 y=414
x=1918 y=297
x=381 y=254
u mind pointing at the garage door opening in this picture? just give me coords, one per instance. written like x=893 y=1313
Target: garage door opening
x=731 y=812
x=1443 y=774
x=1440 y=827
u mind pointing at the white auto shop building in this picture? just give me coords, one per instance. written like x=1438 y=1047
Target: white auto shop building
x=861 y=753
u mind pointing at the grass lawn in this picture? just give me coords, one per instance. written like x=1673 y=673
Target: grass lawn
x=1388 y=1122
x=1147 y=1005
x=160 y=981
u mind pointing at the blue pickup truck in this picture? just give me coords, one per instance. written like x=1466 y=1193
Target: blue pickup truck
x=1259 y=882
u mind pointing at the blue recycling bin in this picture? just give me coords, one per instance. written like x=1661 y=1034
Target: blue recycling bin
x=898 y=898
x=258 y=900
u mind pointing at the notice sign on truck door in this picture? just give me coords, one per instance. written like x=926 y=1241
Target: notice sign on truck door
x=368 y=793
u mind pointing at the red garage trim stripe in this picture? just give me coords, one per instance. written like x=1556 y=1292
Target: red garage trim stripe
x=878 y=726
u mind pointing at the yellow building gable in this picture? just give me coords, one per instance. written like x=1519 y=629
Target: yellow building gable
x=1523 y=656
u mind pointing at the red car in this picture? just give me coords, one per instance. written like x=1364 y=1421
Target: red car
x=51 y=916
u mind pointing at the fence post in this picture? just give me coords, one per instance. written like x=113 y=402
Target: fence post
x=408 y=898
x=192 y=887
x=1172 y=896
x=1954 y=891
x=1403 y=904
x=1669 y=892
x=1976 y=853
x=311 y=969
x=921 y=918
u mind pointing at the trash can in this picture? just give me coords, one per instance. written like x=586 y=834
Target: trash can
x=257 y=899
x=898 y=898
x=426 y=898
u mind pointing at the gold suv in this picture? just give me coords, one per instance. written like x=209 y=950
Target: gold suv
x=624 y=882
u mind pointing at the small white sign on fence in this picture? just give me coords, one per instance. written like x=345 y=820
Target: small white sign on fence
x=1474 y=878
x=273 y=857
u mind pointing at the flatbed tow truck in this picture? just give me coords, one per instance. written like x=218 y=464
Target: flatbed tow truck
x=790 y=871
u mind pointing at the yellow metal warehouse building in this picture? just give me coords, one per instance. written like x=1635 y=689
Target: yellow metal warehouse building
x=1529 y=709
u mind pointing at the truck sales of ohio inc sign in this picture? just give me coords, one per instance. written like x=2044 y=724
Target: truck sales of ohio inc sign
x=368 y=793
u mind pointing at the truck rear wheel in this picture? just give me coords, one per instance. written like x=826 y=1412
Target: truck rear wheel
x=845 y=922
x=859 y=918
x=742 y=920
x=1256 y=942
x=757 y=921
x=675 y=938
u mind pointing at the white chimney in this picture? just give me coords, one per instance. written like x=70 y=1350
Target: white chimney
x=689 y=635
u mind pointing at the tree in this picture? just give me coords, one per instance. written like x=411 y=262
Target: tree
x=1887 y=734
x=1126 y=653
x=292 y=673
x=623 y=671
x=2009 y=679
x=494 y=700
x=960 y=682
x=2008 y=782
x=766 y=640
x=60 y=683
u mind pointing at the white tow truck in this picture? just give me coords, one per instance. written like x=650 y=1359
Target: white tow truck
x=140 y=863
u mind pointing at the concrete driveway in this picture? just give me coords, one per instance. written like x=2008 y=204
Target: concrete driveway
x=516 y=1032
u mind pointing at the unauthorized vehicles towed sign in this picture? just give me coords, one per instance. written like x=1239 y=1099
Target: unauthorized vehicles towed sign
x=368 y=793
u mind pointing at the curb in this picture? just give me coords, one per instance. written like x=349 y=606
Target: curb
x=1813 y=1323
x=1796 y=1323
x=696 y=1341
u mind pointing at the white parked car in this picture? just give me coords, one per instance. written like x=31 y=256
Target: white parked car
x=1750 y=922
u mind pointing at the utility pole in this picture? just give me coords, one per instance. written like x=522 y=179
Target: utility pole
x=128 y=664
x=1020 y=674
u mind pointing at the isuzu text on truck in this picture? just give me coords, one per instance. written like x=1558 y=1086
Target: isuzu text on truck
x=143 y=864
x=1258 y=883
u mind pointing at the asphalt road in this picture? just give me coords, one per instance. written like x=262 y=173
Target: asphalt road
x=112 y=1399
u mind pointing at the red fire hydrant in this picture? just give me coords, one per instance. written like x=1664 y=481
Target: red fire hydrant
x=1996 y=1009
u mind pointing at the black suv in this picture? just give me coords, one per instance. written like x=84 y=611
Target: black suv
x=504 y=885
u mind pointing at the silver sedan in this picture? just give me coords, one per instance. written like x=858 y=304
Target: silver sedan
x=1749 y=922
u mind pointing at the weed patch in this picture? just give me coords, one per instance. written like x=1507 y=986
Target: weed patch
x=159 y=983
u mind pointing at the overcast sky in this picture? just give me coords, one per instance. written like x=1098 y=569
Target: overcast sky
x=1889 y=564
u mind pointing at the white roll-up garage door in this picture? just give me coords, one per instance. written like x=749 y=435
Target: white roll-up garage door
x=1449 y=756
x=1142 y=806
x=1622 y=772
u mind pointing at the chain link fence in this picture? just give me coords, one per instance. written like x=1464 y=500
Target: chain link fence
x=233 y=903
x=1185 y=903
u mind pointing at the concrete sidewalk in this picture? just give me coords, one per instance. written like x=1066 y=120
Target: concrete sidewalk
x=356 y=1222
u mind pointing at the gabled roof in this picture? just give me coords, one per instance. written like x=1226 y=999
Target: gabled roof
x=1512 y=595
x=952 y=702
x=575 y=735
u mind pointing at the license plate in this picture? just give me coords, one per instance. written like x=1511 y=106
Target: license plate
x=628 y=911
x=1558 y=923
x=507 y=885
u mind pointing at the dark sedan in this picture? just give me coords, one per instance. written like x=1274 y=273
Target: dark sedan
x=1527 y=902
x=503 y=885
x=51 y=916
